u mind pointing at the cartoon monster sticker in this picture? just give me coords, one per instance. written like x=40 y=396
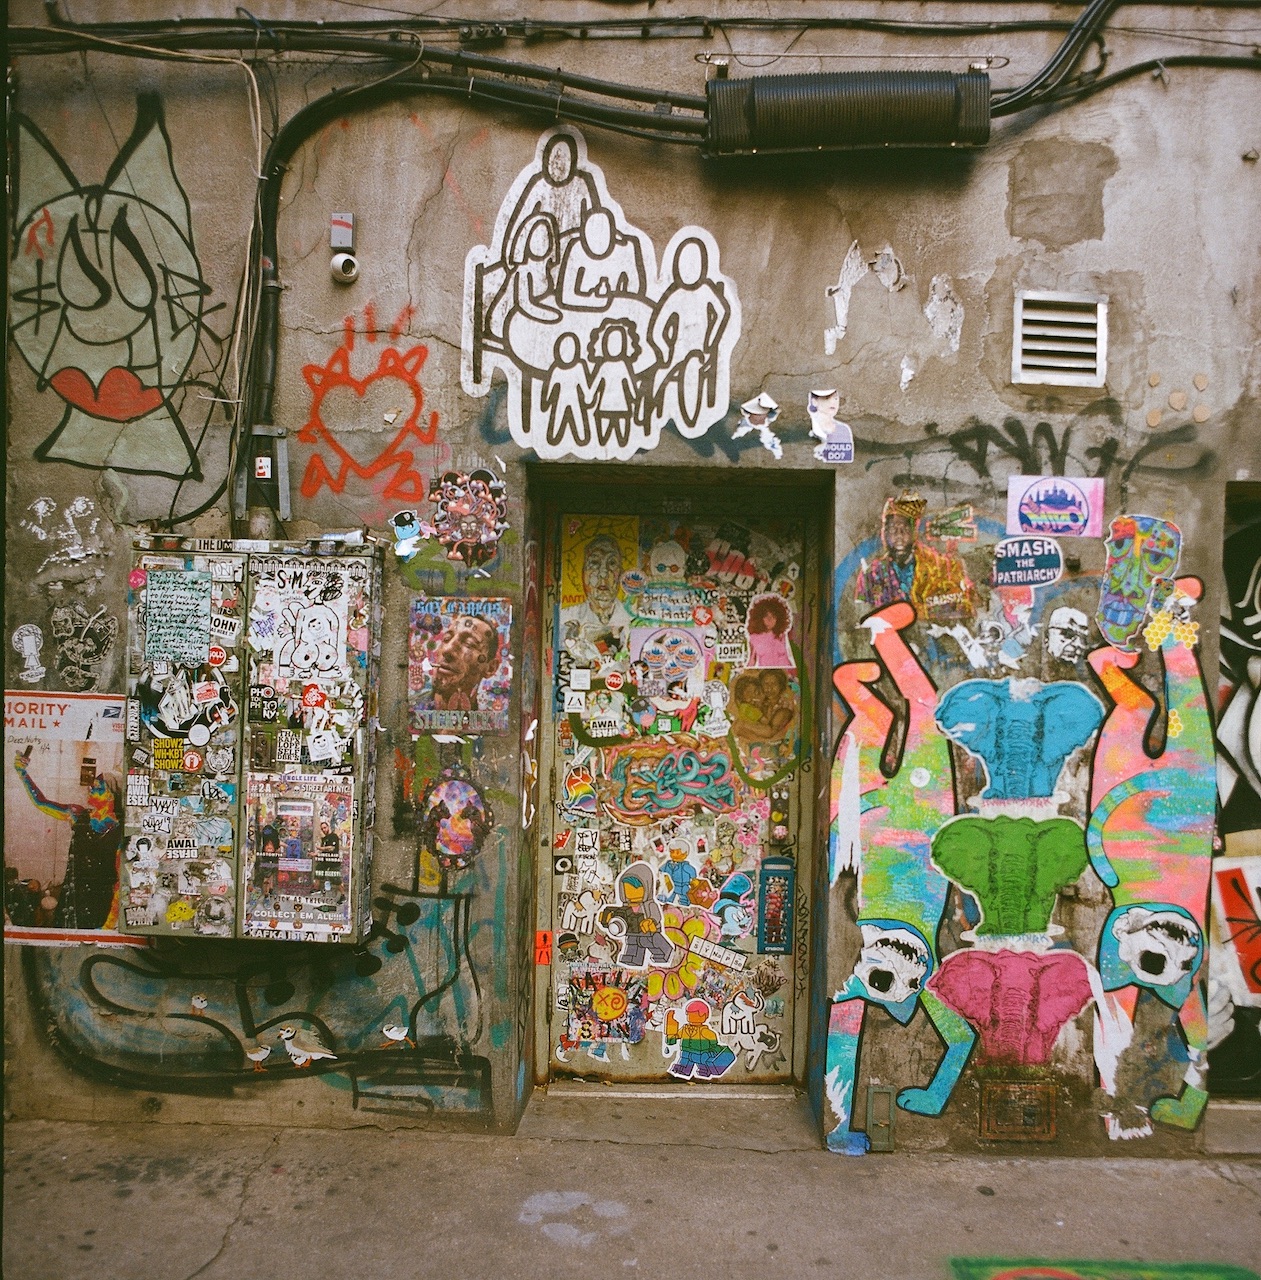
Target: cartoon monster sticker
x=108 y=300
x=1143 y=554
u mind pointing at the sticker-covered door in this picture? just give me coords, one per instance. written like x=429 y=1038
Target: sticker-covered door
x=676 y=739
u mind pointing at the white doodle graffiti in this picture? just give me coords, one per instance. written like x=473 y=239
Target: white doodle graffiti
x=600 y=347
x=70 y=540
x=28 y=640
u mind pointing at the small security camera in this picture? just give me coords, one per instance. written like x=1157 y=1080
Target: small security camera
x=344 y=268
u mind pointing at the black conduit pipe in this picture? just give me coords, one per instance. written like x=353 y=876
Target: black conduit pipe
x=847 y=109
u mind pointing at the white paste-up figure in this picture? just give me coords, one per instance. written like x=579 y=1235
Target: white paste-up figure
x=564 y=263
x=311 y=648
x=568 y=395
x=613 y=348
x=600 y=263
x=759 y=415
x=687 y=326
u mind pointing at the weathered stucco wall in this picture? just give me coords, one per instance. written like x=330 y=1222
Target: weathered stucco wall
x=988 y=860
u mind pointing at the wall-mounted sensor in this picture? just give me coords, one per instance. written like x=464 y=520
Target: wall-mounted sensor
x=344 y=268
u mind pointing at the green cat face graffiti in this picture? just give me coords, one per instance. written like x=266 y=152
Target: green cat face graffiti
x=108 y=301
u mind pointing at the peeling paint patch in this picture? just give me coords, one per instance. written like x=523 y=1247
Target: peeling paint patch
x=852 y=271
x=944 y=311
x=1055 y=191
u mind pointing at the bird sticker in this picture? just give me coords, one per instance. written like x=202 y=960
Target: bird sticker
x=199 y=1003
x=303 y=1047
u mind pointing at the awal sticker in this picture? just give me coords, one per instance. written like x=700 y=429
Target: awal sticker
x=1055 y=506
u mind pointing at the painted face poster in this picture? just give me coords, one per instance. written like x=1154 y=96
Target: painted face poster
x=1055 y=506
x=300 y=829
x=63 y=805
x=459 y=668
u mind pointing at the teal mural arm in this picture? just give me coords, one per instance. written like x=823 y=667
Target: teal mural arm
x=959 y=1038
x=845 y=1027
x=1099 y=859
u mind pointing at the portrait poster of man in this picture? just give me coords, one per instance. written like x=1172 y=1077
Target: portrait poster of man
x=459 y=669
x=594 y=622
x=63 y=803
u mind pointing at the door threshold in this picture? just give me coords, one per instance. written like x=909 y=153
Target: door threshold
x=699 y=1092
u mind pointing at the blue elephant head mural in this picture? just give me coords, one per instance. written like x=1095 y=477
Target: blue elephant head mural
x=1022 y=731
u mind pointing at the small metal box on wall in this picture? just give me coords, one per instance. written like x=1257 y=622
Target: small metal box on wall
x=1017 y=1111
x=179 y=870
x=252 y=676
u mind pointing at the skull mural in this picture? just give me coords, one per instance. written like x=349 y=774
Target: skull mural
x=893 y=963
x=1143 y=554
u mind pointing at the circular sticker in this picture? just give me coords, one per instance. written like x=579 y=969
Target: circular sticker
x=609 y=1003
x=702 y=615
x=198 y=736
x=216 y=655
x=192 y=761
x=313 y=696
x=614 y=680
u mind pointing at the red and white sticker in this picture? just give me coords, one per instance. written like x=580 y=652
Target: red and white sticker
x=313 y=696
x=216 y=655
x=702 y=615
x=614 y=680
x=192 y=761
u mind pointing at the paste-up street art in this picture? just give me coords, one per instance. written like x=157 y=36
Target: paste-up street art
x=84 y=642
x=1021 y=730
x=345 y=443
x=881 y=830
x=469 y=517
x=600 y=346
x=108 y=300
x=1055 y=506
x=460 y=665
x=678 y=712
x=1016 y=1001
x=72 y=538
x=1143 y=554
x=1150 y=841
x=836 y=439
x=758 y=416
x=28 y=640
x=931 y=578
x=63 y=806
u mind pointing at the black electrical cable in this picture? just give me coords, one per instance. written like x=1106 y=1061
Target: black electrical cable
x=1061 y=63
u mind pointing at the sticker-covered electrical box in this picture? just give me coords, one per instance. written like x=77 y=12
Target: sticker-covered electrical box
x=178 y=873
x=250 y=796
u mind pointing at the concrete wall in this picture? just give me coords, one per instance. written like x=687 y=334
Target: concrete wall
x=1009 y=876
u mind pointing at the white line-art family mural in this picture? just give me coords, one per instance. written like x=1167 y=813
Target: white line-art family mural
x=601 y=345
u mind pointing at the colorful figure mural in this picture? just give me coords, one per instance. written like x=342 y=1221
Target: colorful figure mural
x=882 y=827
x=1150 y=840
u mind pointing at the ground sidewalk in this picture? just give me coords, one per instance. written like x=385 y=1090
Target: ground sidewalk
x=566 y=1197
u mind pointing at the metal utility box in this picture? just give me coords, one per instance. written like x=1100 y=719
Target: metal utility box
x=252 y=670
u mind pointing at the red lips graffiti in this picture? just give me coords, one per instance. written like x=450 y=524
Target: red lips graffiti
x=120 y=397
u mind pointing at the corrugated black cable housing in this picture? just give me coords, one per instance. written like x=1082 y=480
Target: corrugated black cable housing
x=839 y=110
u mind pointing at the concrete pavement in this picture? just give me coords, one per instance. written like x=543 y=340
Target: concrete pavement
x=665 y=1187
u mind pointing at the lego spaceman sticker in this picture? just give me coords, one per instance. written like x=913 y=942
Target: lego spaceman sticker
x=601 y=346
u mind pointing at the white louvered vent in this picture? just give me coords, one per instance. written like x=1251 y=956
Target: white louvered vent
x=1061 y=339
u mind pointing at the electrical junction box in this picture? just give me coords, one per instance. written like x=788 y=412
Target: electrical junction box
x=252 y=670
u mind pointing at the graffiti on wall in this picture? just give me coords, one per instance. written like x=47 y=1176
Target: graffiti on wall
x=968 y=817
x=601 y=346
x=1235 y=957
x=108 y=300
x=349 y=393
